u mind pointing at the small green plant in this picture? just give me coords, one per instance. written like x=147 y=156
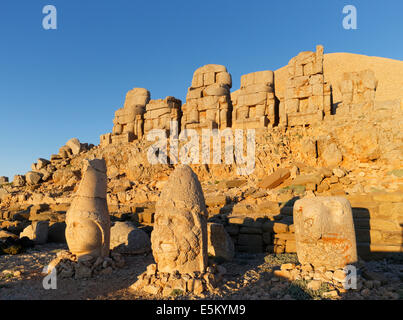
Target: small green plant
x=15 y=249
x=397 y=172
x=7 y=184
x=275 y=259
x=298 y=189
x=8 y=276
x=297 y=292
x=176 y=292
x=298 y=289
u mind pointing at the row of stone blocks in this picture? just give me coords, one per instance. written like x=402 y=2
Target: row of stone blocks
x=210 y=104
x=377 y=225
x=269 y=228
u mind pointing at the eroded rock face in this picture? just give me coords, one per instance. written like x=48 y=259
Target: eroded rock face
x=179 y=238
x=324 y=232
x=87 y=220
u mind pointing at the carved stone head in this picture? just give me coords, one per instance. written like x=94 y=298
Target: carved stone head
x=179 y=238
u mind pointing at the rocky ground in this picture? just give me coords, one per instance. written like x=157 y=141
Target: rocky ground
x=249 y=276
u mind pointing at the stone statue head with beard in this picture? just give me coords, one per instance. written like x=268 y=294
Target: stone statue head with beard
x=179 y=238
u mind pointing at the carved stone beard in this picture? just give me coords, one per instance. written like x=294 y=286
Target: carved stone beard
x=177 y=241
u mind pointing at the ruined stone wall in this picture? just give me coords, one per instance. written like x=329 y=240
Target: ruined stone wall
x=270 y=228
x=208 y=102
x=159 y=113
x=377 y=222
x=308 y=95
x=254 y=103
x=358 y=92
x=129 y=121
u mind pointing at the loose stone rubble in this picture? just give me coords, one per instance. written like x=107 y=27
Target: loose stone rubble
x=68 y=265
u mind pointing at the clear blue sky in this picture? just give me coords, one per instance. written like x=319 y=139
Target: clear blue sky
x=64 y=83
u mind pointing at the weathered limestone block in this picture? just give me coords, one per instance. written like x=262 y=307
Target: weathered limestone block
x=208 y=102
x=65 y=152
x=179 y=239
x=19 y=181
x=275 y=179
x=128 y=239
x=3 y=180
x=87 y=220
x=41 y=164
x=324 y=232
x=75 y=145
x=123 y=138
x=219 y=242
x=160 y=113
x=129 y=120
x=33 y=178
x=105 y=139
x=307 y=95
x=358 y=92
x=37 y=231
x=254 y=103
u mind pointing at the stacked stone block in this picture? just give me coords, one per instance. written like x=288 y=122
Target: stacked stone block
x=208 y=102
x=358 y=91
x=307 y=95
x=159 y=113
x=254 y=103
x=128 y=122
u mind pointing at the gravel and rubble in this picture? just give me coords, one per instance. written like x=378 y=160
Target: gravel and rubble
x=248 y=277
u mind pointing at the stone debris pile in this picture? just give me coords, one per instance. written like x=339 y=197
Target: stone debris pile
x=68 y=265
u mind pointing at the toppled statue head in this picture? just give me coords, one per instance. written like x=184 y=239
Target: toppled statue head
x=87 y=220
x=324 y=232
x=179 y=238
